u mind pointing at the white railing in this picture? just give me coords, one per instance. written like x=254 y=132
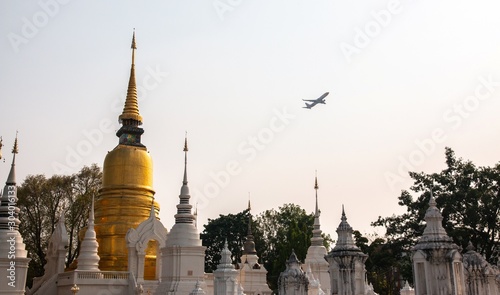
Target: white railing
x=103 y=275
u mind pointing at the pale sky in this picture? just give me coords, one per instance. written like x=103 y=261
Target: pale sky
x=406 y=78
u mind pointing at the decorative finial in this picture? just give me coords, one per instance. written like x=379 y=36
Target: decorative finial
x=1 y=145
x=185 y=181
x=131 y=108
x=316 y=181
x=432 y=200
x=15 y=150
x=91 y=217
x=134 y=46
x=185 y=143
x=249 y=206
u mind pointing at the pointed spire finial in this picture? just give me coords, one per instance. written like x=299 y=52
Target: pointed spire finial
x=249 y=245
x=249 y=206
x=134 y=46
x=1 y=145
x=131 y=108
x=15 y=149
x=11 y=179
x=432 y=200
x=316 y=187
x=185 y=150
x=316 y=239
x=91 y=217
x=184 y=208
x=152 y=212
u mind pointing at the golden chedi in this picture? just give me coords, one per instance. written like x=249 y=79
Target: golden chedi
x=127 y=193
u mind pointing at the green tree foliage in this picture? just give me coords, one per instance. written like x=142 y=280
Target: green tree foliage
x=42 y=201
x=276 y=233
x=232 y=227
x=386 y=265
x=469 y=199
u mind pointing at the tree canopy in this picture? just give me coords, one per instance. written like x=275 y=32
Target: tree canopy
x=276 y=233
x=468 y=197
x=234 y=228
x=42 y=201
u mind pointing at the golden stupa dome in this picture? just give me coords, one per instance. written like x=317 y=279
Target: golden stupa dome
x=128 y=166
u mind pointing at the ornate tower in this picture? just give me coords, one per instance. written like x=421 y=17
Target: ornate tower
x=252 y=274
x=183 y=257
x=126 y=194
x=88 y=258
x=347 y=263
x=437 y=262
x=293 y=281
x=315 y=258
x=225 y=276
x=14 y=261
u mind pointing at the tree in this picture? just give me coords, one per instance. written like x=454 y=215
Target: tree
x=42 y=201
x=386 y=266
x=469 y=199
x=277 y=232
x=232 y=227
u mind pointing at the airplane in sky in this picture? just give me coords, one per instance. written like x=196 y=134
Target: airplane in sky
x=314 y=102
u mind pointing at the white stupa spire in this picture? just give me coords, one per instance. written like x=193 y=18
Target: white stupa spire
x=317 y=239
x=434 y=221
x=88 y=259
x=225 y=260
x=344 y=231
x=9 y=212
x=184 y=214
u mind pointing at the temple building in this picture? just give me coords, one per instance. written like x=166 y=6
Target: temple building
x=252 y=275
x=436 y=256
x=126 y=195
x=126 y=249
x=293 y=280
x=226 y=276
x=347 y=264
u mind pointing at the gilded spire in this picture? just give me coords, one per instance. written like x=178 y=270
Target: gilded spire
x=131 y=109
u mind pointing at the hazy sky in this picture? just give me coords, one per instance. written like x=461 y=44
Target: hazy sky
x=406 y=79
